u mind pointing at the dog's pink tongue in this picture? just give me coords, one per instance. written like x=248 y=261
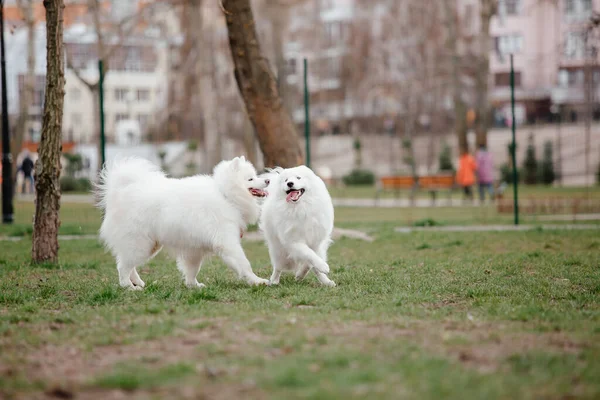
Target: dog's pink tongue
x=294 y=195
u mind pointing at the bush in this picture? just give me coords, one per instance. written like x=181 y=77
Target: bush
x=506 y=173
x=359 y=177
x=547 y=174
x=70 y=184
x=445 y=159
x=598 y=175
x=530 y=165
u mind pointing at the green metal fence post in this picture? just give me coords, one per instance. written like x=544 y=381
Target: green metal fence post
x=514 y=142
x=101 y=104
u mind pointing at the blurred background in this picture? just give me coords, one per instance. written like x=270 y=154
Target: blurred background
x=396 y=87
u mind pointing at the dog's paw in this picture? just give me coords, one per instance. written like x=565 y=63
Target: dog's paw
x=133 y=287
x=256 y=281
x=322 y=268
x=330 y=284
x=195 y=285
x=273 y=283
x=138 y=282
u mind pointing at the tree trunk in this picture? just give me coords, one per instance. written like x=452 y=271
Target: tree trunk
x=26 y=98
x=460 y=109
x=488 y=8
x=274 y=127
x=249 y=140
x=47 y=171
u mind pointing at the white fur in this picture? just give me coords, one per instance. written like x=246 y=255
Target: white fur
x=144 y=211
x=298 y=234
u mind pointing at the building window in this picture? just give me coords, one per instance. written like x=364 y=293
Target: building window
x=502 y=79
x=75 y=94
x=121 y=117
x=569 y=7
x=143 y=95
x=143 y=120
x=291 y=66
x=574 y=45
x=512 y=7
x=508 y=44
x=121 y=94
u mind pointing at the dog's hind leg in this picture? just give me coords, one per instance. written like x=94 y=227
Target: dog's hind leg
x=189 y=264
x=274 y=280
x=322 y=253
x=302 y=271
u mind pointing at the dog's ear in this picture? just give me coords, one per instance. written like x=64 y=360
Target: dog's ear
x=243 y=158
x=235 y=163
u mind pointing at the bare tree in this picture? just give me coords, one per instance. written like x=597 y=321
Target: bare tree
x=26 y=97
x=460 y=108
x=47 y=171
x=121 y=30
x=486 y=11
x=276 y=133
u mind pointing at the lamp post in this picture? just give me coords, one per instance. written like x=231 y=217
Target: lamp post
x=7 y=184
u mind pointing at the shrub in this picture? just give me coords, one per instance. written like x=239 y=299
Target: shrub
x=547 y=175
x=530 y=165
x=70 y=184
x=74 y=164
x=445 y=159
x=598 y=175
x=359 y=177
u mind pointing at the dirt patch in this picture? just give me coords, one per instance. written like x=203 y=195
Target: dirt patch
x=68 y=370
x=482 y=346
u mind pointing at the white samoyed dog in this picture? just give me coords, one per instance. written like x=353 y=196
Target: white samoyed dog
x=144 y=211
x=297 y=222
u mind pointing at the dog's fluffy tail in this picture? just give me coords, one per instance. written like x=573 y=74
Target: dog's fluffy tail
x=120 y=173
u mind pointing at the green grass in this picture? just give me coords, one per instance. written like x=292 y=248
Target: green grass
x=538 y=191
x=425 y=315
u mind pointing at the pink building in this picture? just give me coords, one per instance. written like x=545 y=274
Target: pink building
x=547 y=40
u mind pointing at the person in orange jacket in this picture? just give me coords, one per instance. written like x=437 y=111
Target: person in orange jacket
x=467 y=167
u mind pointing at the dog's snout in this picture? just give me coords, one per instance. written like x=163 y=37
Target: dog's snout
x=290 y=184
x=267 y=181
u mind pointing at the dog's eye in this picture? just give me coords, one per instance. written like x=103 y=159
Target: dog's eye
x=298 y=177
x=286 y=180
x=251 y=179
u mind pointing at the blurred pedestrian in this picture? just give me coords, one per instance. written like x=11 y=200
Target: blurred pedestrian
x=27 y=169
x=465 y=176
x=485 y=173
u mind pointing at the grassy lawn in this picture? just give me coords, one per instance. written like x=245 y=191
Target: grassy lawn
x=368 y=192
x=424 y=316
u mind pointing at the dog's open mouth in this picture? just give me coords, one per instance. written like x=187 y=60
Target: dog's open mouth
x=258 y=192
x=293 y=195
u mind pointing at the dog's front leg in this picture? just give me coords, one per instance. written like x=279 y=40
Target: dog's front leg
x=235 y=259
x=301 y=253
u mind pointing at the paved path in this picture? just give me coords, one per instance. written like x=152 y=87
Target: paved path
x=496 y=228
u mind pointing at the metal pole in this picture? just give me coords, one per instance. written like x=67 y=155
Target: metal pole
x=7 y=183
x=306 y=113
x=514 y=141
x=101 y=104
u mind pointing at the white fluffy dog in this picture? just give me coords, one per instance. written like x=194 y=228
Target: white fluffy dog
x=144 y=211
x=297 y=221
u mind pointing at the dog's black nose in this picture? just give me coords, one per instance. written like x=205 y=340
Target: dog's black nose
x=290 y=184
x=267 y=182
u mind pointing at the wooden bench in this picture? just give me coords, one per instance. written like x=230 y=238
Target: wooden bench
x=432 y=183
x=397 y=183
